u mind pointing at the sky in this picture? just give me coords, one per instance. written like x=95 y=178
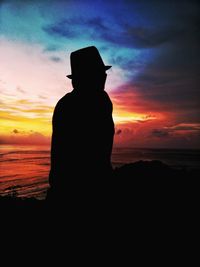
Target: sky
x=153 y=47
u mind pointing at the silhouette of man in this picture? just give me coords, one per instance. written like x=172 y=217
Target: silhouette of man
x=83 y=129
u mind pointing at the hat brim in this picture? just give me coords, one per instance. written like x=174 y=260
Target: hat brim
x=106 y=68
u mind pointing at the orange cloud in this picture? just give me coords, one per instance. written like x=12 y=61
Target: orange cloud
x=25 y=115
x=25 y=138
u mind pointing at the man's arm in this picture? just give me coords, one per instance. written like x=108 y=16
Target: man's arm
x=55 y=144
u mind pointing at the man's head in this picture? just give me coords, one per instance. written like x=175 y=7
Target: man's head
x=91 y=82
x=88 y=69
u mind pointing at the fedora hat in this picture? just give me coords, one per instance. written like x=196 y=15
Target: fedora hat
x=86 y=60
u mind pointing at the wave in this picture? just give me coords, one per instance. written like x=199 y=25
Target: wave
x=25 y=159
x=25 y=152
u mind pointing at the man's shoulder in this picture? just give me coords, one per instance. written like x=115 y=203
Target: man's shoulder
x=62 y=102
x=106 y=95
x=65 y=98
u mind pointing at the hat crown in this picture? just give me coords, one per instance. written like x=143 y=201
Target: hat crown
x=87 y=59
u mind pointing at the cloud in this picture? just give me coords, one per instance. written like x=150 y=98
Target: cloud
x=51 y=48
x=184 y=127
x=19 y=89
x=42 y=97
x=60 y=29
x=31 y=138
x=77 y=27
x=15 y=131
x=169 y=81
x=118 y=132
x=123 y=35
x=97 y=23
x=160 y=133
x=156 y=135
x=129 y=98
x=145 y=33
x=141 y=37
x=55 y=59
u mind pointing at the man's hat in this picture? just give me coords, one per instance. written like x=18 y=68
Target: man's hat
x=86 y=60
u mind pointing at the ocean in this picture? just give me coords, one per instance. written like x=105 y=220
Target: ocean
x=24 y=169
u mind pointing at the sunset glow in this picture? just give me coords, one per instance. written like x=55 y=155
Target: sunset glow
x=129 y=117
x=153 y=90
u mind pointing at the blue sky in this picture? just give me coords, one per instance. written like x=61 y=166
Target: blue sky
x=69 y=25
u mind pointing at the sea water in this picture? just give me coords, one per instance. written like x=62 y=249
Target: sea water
x=24 y=169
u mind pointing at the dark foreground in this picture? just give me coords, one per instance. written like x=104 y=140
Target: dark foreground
x=133 y=186
x=146 y=212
